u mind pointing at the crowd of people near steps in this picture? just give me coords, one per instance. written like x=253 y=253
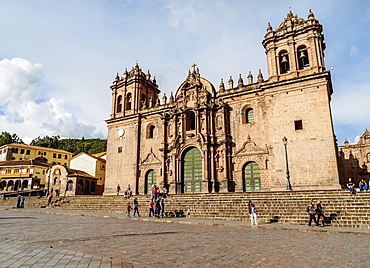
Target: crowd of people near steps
x=156 y=203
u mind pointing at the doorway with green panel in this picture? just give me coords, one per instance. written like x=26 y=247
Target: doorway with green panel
x=251 y=177
x=192 y=170
x=151 y=179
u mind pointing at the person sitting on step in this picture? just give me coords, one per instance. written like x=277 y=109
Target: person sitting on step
x=351 y=186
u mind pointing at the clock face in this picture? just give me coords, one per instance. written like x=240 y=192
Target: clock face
x=120 y=132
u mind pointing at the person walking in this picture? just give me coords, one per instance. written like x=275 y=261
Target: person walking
x=252 y=213
x=162 y=207
x=21 y=203
x=320 y=213
x=50 y=197
x=151 y=208
x=136 y=207
x=154 y=193
x=157 y=212
x=128 y=209
x=312 y=212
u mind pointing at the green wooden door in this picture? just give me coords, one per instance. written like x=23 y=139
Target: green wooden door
x=252 y=177
x=192 y=171
x=151 y=178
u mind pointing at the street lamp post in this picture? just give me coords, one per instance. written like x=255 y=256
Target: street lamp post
x=289 y=186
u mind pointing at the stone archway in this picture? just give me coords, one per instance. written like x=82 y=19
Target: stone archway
x=251 y=177
x=192 y=170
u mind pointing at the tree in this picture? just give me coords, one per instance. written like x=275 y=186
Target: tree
x=49 y=142
x=7 y=138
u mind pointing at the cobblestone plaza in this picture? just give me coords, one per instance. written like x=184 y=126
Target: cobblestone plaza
x=49 y=238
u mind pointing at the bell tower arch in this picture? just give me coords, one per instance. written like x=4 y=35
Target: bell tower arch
x=295 y=48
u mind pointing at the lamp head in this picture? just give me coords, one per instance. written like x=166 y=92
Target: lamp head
x=285 y=140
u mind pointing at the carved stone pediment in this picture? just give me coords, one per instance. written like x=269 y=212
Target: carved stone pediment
x=151 y=159
x=194 y=91
x=250 y=148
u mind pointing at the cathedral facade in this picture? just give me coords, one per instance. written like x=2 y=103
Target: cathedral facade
x=247 y=135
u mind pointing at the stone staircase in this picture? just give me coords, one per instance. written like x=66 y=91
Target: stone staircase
x=341 y=208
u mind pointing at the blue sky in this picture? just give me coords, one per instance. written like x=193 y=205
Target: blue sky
x=59 y=58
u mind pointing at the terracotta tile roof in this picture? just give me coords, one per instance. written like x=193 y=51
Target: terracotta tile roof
x=26 y=146
x=31 y=162
x=79 y=173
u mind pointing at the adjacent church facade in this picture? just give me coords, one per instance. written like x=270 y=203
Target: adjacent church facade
x=229 y=139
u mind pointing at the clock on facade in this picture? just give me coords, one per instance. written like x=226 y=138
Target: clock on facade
x=120 y=132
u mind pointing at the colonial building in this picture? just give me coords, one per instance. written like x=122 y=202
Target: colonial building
x=15 y=151
x=93 y=165
x=230 y=139
x=71 y=182
x=354 y=160
x=19 y=175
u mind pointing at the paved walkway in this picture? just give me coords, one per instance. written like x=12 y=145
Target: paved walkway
x=33 y=237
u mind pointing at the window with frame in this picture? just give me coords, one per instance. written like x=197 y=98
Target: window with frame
x=284 y=62
x=59 y=156
x=128 y=101
x=302 y=56
x=249 y=116
x=298 y=124
x=28 y=152
x=22 y=151
x=190 y=120
x=119 y=104
x=120 y=149
x=54 y=155
x=151 y=132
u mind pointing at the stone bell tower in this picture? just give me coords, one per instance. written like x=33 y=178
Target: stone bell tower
x=132 y=92
x=295 y=48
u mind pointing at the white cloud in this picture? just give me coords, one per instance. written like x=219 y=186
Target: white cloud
x=19 y=80
x=22 y=111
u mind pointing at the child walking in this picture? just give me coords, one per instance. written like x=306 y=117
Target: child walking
x=151 y=208
x=128 y=209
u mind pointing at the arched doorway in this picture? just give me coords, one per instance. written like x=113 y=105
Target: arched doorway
x=24 y=184
x=10 y=185
x=3 y=185
x=17 y=185
x=87 y=187
x=251 y=177
x=70 y=185
x=192 y=171
x=80 y=185
x=150 y=179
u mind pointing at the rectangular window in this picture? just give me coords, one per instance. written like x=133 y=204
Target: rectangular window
x=39 y=153
x=22 y=151
x=15 y=150
x=66 y=157
x=54 y=155
x=59 y=156
x=120 y=149
x=44 y=153
x=28 y=152
x=298 y=124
